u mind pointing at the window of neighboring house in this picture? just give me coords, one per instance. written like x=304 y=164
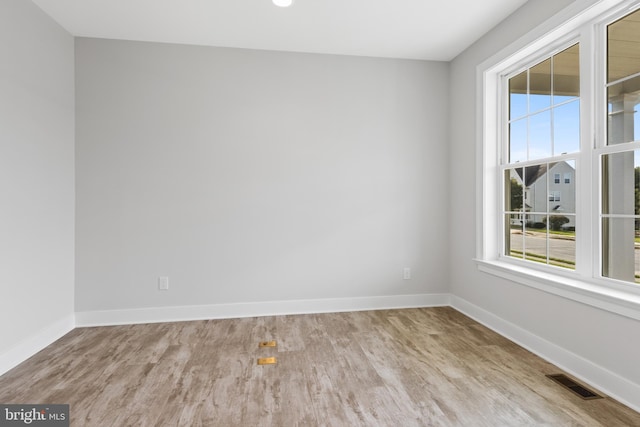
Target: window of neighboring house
x=544 y=126
x=567 y=157
x=554 y=196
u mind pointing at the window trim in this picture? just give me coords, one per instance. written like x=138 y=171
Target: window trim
x=609 y=299
x=576 y=22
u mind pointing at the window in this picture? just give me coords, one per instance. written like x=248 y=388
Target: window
x=543 y=116
x=544 y=126
x=620 y=211
x=559 y=199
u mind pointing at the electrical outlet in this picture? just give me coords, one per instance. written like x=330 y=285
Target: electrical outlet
x=407 y=273
x=163 y=283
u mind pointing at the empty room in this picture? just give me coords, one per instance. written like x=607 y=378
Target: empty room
x=319 y=213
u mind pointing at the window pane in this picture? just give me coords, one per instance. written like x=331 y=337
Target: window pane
x=620 y=259
x=623 y=61
x=514 y=235
x=518 y=141
x=621 y=196
x=566 y=75
x=514 y=193
x=540 y=135
x=623 y=122
x=620 y=183
x=562 y=242
x=540 y=86
x=623 y=50
x=535 y=238
x=518 y=96
x=535 y=188
x=566 y=128
x=564 y=200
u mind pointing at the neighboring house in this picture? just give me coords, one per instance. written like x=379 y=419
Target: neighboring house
x=554 y=185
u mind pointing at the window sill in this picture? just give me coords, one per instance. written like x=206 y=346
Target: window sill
x=616 y=301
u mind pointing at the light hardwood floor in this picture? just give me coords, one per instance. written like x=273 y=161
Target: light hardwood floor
x=413 y=367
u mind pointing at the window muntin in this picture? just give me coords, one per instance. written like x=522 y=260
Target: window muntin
x=544 y=123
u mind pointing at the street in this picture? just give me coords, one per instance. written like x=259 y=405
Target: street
x=561 y=248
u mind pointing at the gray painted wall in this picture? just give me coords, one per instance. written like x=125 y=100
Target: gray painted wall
x=250 y=176
x=597 y=336
x=36 y=173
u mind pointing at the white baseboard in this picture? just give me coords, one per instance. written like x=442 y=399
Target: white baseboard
x=33 y=344
x=269 y=308
x=604 y=380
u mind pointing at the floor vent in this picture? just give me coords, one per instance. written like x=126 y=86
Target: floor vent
x=578 y=389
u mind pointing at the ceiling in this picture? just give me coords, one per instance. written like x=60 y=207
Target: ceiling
x=414 y=29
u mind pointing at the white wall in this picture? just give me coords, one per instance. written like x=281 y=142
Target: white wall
x=36 y=180
x=606 y=343
x=250 y=176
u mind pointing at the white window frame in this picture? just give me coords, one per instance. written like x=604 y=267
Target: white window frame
x=585 y=24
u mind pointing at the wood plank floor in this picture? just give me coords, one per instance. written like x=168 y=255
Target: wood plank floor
x=412 y=367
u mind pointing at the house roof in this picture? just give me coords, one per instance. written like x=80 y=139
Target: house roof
x=532 y=174
x=535 y=172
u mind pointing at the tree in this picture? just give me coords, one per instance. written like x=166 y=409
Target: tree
x=516 y=195
x=556 y=222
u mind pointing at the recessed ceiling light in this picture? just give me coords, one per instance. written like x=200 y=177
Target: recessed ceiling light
x=283 y=3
